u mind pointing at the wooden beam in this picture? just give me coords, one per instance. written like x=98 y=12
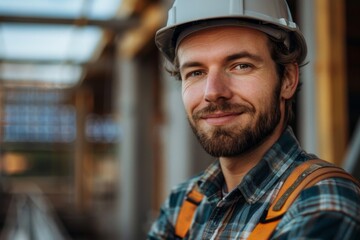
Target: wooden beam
x=135 y=39
x=331 y=79
x=116 y=24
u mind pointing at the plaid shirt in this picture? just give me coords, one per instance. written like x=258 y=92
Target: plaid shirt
x=328 y=210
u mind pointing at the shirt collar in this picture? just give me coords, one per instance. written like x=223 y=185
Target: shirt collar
x=276 y=161
x=271 y=168
x=212 y=181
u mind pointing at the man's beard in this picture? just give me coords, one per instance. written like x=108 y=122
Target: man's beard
x=234 y=141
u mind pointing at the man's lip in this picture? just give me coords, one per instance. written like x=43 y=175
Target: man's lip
x=220 y=119
x=220 y=115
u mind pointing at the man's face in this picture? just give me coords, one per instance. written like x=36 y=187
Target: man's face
x=230 y=89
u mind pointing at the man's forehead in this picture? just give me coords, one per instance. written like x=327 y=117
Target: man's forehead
x=223 y=41
x=222 y=32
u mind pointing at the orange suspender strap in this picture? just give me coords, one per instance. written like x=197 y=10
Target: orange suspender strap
x=187 y=212
x=304 y=176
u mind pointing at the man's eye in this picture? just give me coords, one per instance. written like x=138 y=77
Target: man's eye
x=194 y=74
x=242 y=66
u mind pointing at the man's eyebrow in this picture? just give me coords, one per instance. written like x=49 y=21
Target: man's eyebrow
x=244 y=54
x=190 y=64
x=229 y=58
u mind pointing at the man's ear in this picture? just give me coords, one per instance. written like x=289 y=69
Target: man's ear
x=290 y=81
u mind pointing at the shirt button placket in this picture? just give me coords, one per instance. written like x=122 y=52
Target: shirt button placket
x=214 y=220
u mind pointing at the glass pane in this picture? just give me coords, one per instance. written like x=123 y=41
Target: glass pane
x=48 y=42
x=64 y=8
x=42 y=75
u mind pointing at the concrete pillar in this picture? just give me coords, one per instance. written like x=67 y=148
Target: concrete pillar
x=135 y=101
x=307 y=114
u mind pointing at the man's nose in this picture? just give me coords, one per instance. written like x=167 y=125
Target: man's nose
x=217 y=87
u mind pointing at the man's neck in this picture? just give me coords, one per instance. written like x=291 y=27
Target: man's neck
x=235 y=168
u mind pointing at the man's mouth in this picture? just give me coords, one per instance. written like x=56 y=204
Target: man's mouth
x=220 y=118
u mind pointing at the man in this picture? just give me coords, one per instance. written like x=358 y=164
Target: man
x=238 y=62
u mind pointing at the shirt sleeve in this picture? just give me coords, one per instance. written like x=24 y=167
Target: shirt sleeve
x=162 y=228
x=328 y=210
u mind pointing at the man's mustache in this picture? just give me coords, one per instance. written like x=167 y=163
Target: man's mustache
x=224 y=107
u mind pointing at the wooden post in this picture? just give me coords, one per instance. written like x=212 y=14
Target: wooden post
x=331 y=79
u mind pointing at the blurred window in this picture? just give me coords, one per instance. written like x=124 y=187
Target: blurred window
x=49 y=46
x=38 y=116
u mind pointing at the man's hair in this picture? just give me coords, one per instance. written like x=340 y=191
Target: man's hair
x=281 y=55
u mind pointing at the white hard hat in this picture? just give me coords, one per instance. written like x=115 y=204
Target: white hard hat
x=272 y=17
